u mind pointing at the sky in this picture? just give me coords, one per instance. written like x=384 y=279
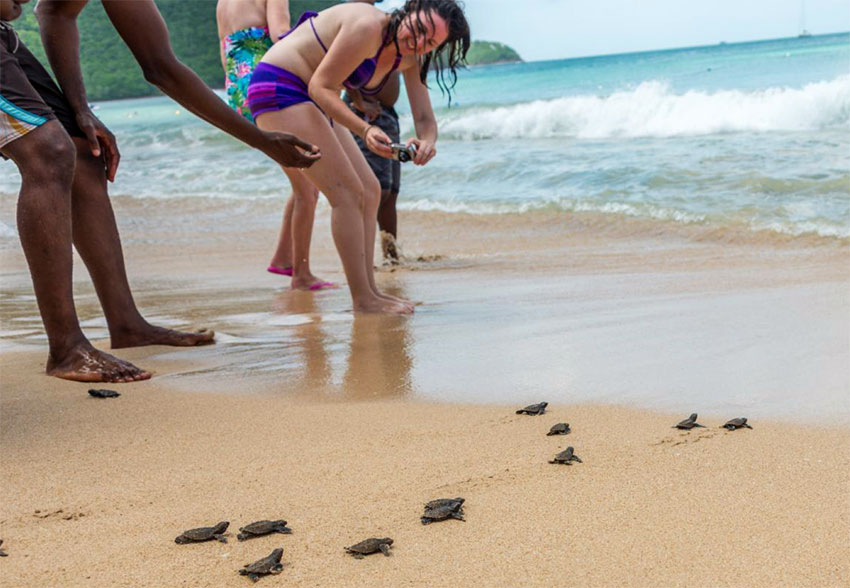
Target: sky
x=558 y=29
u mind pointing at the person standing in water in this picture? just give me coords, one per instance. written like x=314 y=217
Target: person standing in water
x=66 y=156
x=297 y=88
x=247 y=29
x=379 y=110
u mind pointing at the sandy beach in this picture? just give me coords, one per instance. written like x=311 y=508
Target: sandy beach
x=345 y=426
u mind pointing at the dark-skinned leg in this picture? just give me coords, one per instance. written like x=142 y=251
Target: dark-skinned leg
x=97 y=241
x=46 y=159
x=388 y=223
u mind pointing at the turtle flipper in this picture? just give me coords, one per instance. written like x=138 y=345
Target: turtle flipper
x=219 y=537
x=576 y=458
x=385 y=549
x=243 y=536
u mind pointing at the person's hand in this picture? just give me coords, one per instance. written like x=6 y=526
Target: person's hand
x=371 y=108
x=378 y=142
x=425 y=150
x=290 y=151
x=101 y=142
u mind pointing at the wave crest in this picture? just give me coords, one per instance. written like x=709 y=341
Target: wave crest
x=653 y=110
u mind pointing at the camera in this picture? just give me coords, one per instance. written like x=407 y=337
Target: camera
x=402 y=152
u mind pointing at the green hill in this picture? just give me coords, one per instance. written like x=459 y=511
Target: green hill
x=111 y=72
x=483 y=52
x=108 y=66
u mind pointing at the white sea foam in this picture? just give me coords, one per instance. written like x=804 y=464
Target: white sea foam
x=653 y=110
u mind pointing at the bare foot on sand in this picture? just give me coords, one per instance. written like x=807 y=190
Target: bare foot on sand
x=84 y=363
x=311 y=283
x=397 y=300
x=151 y=335
x=378 y=304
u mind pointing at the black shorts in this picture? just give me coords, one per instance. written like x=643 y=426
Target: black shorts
x=388 y=171
x=28 y=94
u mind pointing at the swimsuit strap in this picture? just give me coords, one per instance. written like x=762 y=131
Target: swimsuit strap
x=316 y=33
x=308 y=15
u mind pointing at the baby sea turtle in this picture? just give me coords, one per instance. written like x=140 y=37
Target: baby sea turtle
x=566 y=456
x=204 y=534
x=688 y=424
x=370 y=545
x=104 y=393
x=559 y=429
x=534 y=409
x=2 y=553
x=262 y=567
x=258 y=528
x=442 y=509
x=738 y=423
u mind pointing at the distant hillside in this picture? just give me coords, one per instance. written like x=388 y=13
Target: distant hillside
x=110 y=70
x=483 y=52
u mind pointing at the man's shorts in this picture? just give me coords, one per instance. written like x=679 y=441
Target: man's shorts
x=28 y=95
x=243 y=51
x=388 y=171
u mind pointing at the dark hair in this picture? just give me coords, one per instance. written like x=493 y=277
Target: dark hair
x=451 y=53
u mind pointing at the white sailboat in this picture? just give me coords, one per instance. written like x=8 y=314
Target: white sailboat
x=804 y=32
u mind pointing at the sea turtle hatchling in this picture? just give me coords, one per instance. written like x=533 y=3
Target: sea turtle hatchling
x=738 y=423
x=265 y=566
x=2 y=553
x=566 y=457
x=259 y=528
x=442 y=509
x=103 y=393
x=534 y=409
x=559 y=429
x=455 y=503
x=370 y=545
x=688 y=424
x=204 y=534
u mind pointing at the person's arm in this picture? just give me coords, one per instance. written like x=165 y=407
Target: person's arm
x=423 y=116
x=61 y=41
x=140 y=25
x=352 y=44
x=277 y=17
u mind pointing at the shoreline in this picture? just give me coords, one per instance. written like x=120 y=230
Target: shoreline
x=344 y=425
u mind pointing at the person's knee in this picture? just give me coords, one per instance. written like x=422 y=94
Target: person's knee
x=306 y=196
x=47 y=156
x=371 y=193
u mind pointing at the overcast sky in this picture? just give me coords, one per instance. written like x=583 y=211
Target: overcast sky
x=554 y=29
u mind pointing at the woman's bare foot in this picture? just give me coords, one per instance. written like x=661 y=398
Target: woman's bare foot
x=84 y=363
x=151 y=335
x=311 y=282
x=396 y=299
x=376 y=304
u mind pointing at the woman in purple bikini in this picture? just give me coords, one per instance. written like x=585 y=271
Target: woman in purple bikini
x=296 y=88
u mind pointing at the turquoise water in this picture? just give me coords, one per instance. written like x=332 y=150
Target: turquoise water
x=751 y=135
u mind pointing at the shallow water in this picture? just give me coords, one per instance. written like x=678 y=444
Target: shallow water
x=752 y=135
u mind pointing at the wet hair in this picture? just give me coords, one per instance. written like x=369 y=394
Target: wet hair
x=450 y=54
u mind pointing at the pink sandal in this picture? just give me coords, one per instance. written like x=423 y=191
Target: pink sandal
x=322 y=286
x=281 y=271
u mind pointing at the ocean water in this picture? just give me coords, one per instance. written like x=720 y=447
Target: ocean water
x=753 y=136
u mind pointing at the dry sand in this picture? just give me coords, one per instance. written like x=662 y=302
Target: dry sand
x=331 y=429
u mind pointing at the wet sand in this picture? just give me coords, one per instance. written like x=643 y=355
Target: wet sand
x=345 y=426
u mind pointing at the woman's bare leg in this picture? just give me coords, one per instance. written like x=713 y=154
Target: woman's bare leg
x=372 y=189
x=303 y=213
x=336 y=177
x=282 y=257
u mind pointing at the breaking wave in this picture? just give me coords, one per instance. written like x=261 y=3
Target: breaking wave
x=653 y=110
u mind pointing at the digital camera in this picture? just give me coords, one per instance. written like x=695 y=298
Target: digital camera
x=402 y=152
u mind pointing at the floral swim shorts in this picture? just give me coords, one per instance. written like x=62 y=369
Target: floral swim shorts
x=243 y=51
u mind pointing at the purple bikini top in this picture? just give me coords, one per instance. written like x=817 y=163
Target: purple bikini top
x=364 y=72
